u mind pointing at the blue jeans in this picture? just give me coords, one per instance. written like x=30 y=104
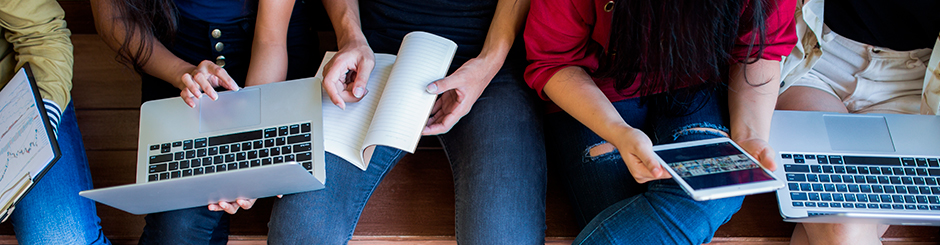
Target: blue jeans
x=609 y=204
x=53 y=212
x=497 y=156
x=498 y=160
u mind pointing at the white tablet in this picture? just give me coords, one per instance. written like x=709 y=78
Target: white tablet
x=715 y=168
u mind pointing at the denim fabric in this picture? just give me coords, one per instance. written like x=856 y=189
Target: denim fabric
x=329 y=216
x=186 y=226
x=194 y=43
x=53 y=212
x=611 y=206
x=497 y=158
x=497 y=155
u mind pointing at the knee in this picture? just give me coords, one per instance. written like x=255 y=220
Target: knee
x=701 y=130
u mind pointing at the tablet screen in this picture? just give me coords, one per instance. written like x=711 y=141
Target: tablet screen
x=713 y=165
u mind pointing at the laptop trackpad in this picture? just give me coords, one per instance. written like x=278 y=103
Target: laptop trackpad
x=231 y=110
x=858 y=133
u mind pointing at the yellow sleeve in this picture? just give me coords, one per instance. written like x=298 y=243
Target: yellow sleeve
x=37 y=31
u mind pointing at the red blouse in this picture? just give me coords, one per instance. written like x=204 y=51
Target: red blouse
x=562 y=33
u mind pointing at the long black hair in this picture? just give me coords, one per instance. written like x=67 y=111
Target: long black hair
x=149 y=20
x=679 y=42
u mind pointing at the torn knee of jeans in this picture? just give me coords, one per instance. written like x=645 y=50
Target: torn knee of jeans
x=599 y=149
x=701 y=128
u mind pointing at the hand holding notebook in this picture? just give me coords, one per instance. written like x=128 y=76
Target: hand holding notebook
x=397 y=107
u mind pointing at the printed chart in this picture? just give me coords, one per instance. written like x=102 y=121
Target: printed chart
x=24 y=144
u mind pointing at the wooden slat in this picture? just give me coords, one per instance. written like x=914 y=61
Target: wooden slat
x=414 y=204
x=99 y=81
x=78 y=16
x=108 y=129
x=758 y=217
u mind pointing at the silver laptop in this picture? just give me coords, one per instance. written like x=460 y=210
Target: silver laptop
x=257 y=142
x=875 y=168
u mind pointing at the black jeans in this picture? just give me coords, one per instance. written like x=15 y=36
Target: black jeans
x=194 y=43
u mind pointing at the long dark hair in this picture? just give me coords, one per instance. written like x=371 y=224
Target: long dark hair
x=680 y=42
x=150 y=20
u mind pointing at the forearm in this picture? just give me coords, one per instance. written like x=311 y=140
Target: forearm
x=573 y=90
x=344 y=14
x=507 y=23
x=161 y=63
x=751 y=107
x=269 y=46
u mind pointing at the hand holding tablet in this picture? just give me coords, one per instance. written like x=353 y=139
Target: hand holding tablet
x=715 y=168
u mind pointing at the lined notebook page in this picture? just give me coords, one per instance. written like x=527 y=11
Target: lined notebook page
x=344 y=131
x=405 y=105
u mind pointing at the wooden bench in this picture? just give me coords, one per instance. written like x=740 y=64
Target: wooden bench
x=414 y=204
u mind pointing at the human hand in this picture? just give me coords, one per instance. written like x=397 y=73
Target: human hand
x=203 y=78
x=636 y=149
x=232 y=207
x=347 y=73
x=760 y=150
x=458 y=92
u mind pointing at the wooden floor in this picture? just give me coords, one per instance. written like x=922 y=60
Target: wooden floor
x=415 y=199
x=413 y=205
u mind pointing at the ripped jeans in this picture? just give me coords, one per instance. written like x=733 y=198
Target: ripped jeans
x=609 y=204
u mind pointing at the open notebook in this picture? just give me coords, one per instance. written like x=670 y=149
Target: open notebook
x=397 y=106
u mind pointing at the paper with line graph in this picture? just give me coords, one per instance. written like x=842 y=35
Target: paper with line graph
x=24 y=142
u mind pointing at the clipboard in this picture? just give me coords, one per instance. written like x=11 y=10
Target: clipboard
x=28 y=145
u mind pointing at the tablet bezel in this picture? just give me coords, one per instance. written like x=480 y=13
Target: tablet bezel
x=722 y=191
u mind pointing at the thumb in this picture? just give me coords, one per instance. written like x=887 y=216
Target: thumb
x=441 y=85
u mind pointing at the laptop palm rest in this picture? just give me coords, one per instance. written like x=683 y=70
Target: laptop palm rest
x=231 y=110
x=159 y=196
x=858 y=133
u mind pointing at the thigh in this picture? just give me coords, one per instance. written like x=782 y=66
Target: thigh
x=688 y=114
x=53 y=212
x=806 y=98
x=497 y=155
x=329 y=215
x=594 y=182
x=664 y=214
x=195 y=225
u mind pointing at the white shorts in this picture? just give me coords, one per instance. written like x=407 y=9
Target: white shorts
x=869 y=79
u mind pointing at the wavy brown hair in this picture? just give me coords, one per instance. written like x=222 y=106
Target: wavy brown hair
x=678 y=42
x=149 y=20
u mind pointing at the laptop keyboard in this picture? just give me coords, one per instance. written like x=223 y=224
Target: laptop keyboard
x=862 y=182
x=191 y=157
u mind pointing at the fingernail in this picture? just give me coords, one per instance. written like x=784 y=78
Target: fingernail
x=358 y=91
x=432 y=88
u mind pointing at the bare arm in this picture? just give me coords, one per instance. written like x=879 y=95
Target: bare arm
x=345 y=76
x=572 y=89
x=751 y=107
x=163 y=64
x=462 y=88
x=269 y=47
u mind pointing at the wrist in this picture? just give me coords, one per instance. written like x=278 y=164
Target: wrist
x=621 y=134
x=178 y=72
